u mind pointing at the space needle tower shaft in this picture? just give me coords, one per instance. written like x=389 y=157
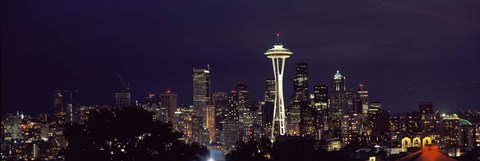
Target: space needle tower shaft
x=278 y=54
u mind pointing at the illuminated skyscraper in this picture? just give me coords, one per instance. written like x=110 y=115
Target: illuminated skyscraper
x=278 y=54
x=320 y=97
x=300 y=83
x=210 y=115
x=241 y=105
x=269 y=90
x=363 y=93
x=222 y=110
x=269 y=101
x=72 y=106
x=201 y=91
x=320 y=103
x=339 y=102
x=168 y=100
x=300 y=88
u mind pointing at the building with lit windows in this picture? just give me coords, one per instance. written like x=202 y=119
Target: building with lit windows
x=477 y=135
x=201 y=92
x=363 y=94
x=451 y=130
x=467 y=134
x=339 y=101
x=210 y=115
x=351 y=128
x=168 y=101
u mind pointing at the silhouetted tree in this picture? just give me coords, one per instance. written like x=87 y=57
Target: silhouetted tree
x=286 y=149
x=251 y=151
x=127 y=134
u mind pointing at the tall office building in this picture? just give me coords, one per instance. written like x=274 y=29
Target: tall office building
x=308 y=119
x=363 y=94
x=210 y=115
x=428 y=119
x=269 y=101
x=451 y=130
x=320 y=103
x=339 y=101
x=201 y=91
x=168 y=100
x=351 y=128
x=72 y=106
x=184 y=122
x=278 y=55
x=300 y=83
x=58 y=102
x=269 y=90
x=241 y=104
x=300 y=88
x=229 y=134
x=222 y=110
x=320 y=97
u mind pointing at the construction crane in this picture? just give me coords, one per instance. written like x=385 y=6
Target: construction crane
x=125 y=85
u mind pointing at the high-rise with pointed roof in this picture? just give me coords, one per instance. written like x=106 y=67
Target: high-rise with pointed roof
x=339 y=101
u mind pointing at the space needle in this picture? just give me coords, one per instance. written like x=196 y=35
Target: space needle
x=278 y=54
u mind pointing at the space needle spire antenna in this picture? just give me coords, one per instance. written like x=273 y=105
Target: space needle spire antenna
x=278 y=54
x=278 y=38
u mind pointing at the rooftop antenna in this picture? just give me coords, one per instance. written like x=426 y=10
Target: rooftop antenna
x=278 y=38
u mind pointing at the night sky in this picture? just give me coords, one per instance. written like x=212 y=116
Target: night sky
x=404 y=51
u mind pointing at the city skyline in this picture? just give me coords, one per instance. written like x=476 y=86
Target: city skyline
x=43 y=51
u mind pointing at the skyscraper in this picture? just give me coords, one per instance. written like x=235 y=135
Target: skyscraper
x=278 y=54
x=300 y=88
x=320 y=97
x=428 y=119
x=339 y=101
x=72 y=106
x=300 y=83
x=222 y=110
x=269 y=101
x=168 y=100
x=269 y=90
x=201 y=91
x=320 y=103
x=241 y=104
x=363 y=93
x=210 y=115
x=58 y=102
x=451 y=130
